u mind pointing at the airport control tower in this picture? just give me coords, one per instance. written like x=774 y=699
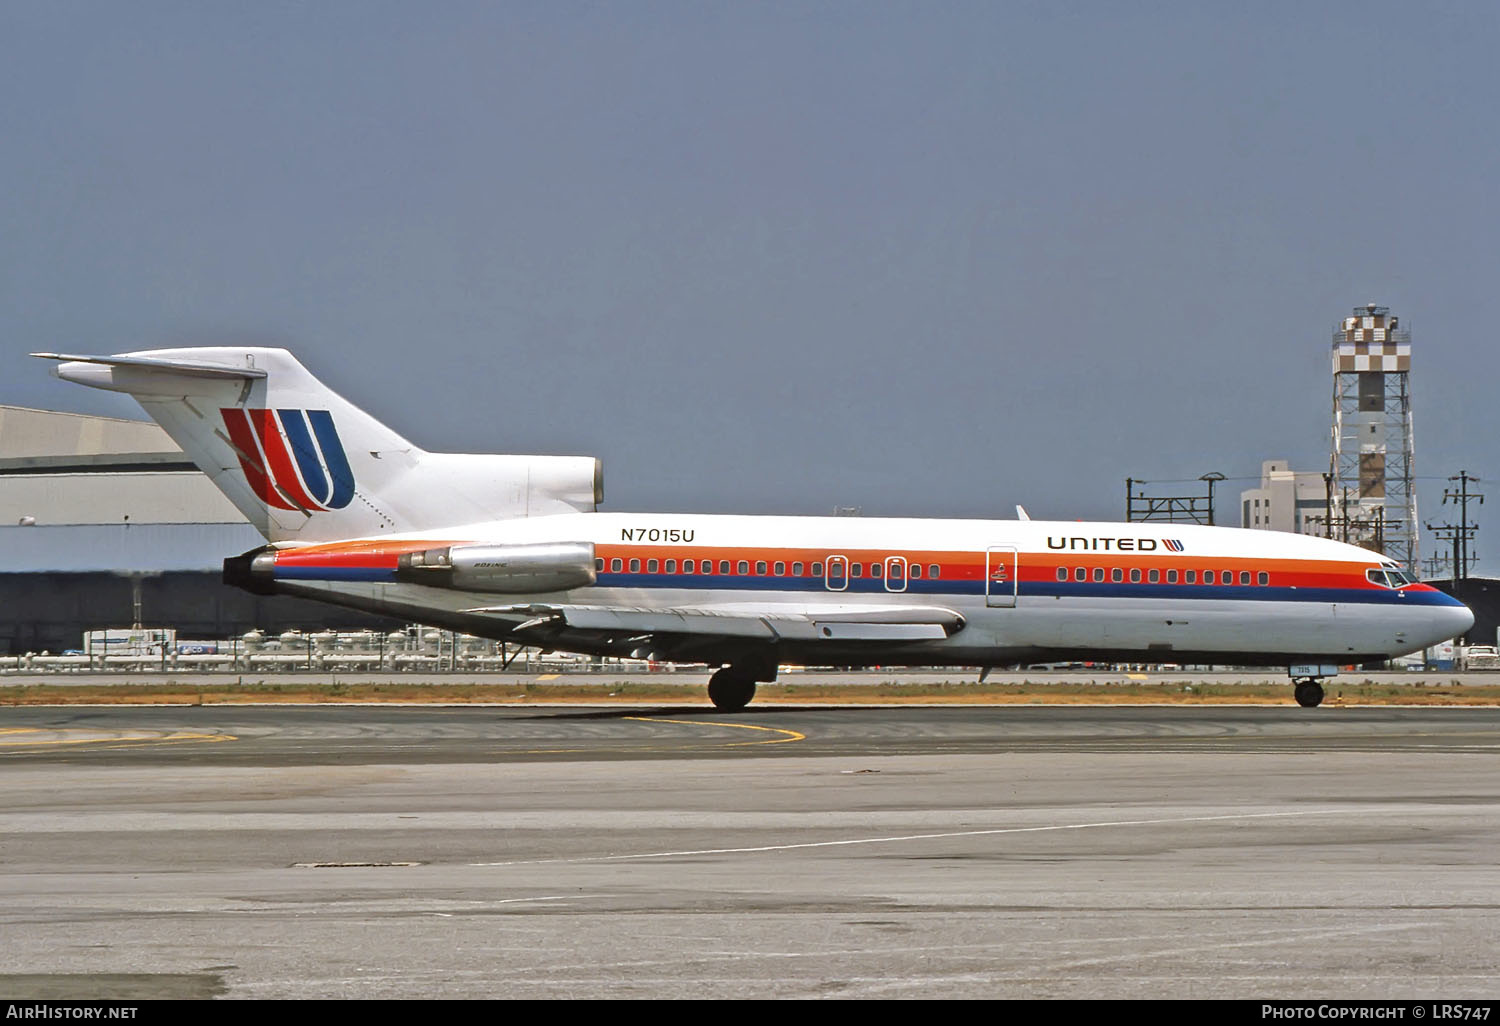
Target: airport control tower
x=1373 y=500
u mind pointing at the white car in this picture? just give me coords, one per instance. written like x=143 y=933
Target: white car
x=1482 y=657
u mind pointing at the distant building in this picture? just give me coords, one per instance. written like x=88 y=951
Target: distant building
x=1482 y=596
x=1287 y=500
x=106 y=523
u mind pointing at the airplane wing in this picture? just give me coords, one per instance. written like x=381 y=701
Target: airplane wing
x=836 y=623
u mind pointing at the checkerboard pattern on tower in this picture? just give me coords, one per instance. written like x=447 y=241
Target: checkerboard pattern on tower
x=1373 y=495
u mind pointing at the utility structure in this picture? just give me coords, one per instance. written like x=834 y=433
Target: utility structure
x=1371 y=461
x=1460 y=533
x=1180 y=509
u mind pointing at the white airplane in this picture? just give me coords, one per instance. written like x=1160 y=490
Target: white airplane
x=511 y=547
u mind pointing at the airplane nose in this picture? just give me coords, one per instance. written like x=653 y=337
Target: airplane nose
x=1449 y=621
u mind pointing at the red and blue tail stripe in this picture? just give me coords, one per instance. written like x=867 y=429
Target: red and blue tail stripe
x=292 y=459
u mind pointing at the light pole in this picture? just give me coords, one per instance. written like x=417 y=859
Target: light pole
x=1211 y=477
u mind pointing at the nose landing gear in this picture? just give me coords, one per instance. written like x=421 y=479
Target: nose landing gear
x=1309 y=693
x=1307 y=682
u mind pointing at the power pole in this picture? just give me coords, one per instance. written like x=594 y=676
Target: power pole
x=1327 y=505
x=1460 y=533
x=1436 y=564
x=1461 y=498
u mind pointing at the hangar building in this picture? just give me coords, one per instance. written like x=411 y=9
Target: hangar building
x=106 y=523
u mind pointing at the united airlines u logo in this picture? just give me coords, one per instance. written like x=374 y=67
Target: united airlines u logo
x=293 y=459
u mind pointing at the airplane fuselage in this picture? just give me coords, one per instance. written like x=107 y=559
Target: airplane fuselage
x=1021 y=591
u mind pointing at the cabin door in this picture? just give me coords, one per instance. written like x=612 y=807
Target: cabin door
x=1000 y=567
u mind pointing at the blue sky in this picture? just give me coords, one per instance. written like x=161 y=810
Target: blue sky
x=927 y=259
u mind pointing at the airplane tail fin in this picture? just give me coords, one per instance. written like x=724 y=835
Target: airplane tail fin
x=306 y=465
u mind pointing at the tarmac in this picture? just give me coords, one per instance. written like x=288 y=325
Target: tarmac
x=1273 y=853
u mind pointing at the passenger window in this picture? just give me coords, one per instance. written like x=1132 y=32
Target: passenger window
x=1190 y=576
x=934 y=571
x=797 y=569
x=875 y=570
x=744 y=568
x=1116 y=575
x=1080 y=574
x=1154 y=576
x=1135 y=576
x=599 y=565
x=635 y=566
x=723 y=566
x=671 y=566
x=760 y=568
x=651 y=566
x=1244 y=576
x=1171 y=576
x=856 y=569
x=916 y=570
x=780 y=568
x=1098 y=575
x=817 y=569
x=688 y=567
x=1227 y=576
x=1062 y=573
x=1263 y=578
x=615 y=565
x=1208 y=577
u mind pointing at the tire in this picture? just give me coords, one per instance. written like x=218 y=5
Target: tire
x=1309 y=694
x=729 y=691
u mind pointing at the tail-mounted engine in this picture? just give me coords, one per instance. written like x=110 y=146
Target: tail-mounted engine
x=551 y=566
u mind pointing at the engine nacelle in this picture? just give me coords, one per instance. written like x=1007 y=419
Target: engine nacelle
x=549 y=566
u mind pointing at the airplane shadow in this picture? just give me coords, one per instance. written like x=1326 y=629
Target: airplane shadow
x=674 y=712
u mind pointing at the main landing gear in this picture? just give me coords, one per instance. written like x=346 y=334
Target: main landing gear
x=1309 y=693
x=731 y=688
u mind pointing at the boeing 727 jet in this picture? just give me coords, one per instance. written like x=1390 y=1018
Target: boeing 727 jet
x=513 y=548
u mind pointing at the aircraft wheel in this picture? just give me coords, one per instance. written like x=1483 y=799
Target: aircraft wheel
x=730 y=691
x=1309 y=693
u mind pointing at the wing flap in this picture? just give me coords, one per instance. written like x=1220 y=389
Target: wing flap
x=665 y=621
x=881 y=623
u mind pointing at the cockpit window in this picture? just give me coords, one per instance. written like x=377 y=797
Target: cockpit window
x=1389 y=577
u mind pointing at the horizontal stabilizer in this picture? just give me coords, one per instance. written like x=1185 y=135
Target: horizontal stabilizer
x=189 y=367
